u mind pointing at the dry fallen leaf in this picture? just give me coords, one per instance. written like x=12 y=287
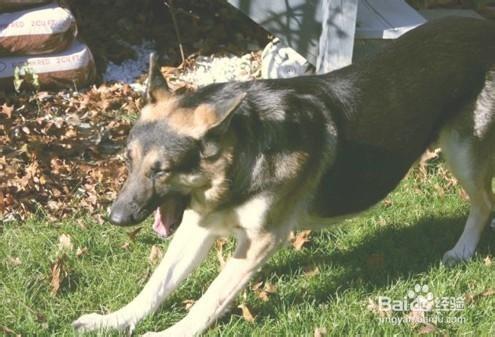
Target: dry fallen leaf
x=58 y=274
x=188 y=304
x=376 y=309
x=300 y=239
x=14 y=261
x=2 y=202
x=264 y=292
x=219 y=244
x=488 y=292
x=439 y=190
x=257 y=286
x=270 y=288
x=416 y=317
x=155 y=255
x=427 y=156
x=246 y=313
x=463 y=194
x=427 y=329
x=81 y=140
x=471 y=298
x=81 y=251
x=8 y=331
x=132 y=234
x=6 y=110
x=81 y=224
x=488 y=261
x=387 y=202
x=65 y=243
x=125 y=245
x=263 y=295
x=320 y=332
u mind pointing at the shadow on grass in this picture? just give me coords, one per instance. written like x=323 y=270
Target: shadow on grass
x=384 y=257
x=388 y=255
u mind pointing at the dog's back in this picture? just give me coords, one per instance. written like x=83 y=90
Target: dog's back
x=391 y=108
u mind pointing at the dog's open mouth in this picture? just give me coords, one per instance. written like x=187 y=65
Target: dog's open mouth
x=168 y=215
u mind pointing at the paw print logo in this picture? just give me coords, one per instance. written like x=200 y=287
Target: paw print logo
x=421 y=298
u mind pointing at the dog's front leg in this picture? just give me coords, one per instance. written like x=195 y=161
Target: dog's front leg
x=189 y=246
x=252 y=250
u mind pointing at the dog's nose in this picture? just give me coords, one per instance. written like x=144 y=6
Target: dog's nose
x=119 y=217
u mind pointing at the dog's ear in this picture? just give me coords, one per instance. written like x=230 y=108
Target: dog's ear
x=224 y=110
x=157 y=87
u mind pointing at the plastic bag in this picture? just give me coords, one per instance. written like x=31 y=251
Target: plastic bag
x=42 y=30
x=73 y=67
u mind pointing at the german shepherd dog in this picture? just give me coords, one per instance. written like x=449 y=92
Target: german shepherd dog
x=256 y=160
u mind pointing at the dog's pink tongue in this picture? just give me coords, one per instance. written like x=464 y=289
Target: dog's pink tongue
x=161 y=226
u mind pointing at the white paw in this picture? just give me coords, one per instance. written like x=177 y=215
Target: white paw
x=453 y=257
x=88 y=322
x=94 y=321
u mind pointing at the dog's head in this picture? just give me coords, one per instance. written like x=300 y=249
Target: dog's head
x=171 y=151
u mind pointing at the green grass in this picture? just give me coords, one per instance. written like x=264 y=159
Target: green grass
x=409 y=234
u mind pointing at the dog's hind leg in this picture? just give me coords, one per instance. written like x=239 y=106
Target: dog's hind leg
x=189 y=246
x=467 y=146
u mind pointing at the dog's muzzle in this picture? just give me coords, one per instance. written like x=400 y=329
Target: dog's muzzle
x=129 y=215
x=168 y=215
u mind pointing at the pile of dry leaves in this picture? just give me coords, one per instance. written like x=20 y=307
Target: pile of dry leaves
x=59 y=152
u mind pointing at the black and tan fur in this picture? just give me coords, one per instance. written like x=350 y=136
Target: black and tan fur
x=257 y=159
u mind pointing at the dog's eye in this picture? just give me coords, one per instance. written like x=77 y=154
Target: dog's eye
x=158 y=170
x=127 y=158
x=161 y=173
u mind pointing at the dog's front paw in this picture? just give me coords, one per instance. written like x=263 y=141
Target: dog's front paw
x=89 y=322
x=94 y=321
x=453 y=257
